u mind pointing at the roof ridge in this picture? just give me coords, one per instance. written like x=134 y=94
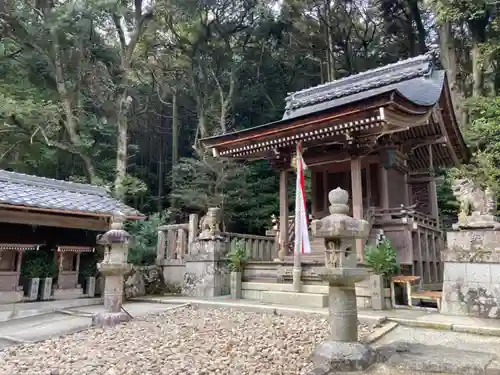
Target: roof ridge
x=392 y=73
x=22 y=178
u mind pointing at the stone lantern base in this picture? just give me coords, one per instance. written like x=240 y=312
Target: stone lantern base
x=330 y=356
x=109 y=319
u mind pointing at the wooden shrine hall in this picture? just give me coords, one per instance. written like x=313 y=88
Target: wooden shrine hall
x=60 y=218
x=380 y=135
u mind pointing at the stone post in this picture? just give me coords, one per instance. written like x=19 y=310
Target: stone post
x=342 y=351
x=205 y=274
x=113 y=268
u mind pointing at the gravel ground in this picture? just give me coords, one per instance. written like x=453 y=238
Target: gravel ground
x=181 y=341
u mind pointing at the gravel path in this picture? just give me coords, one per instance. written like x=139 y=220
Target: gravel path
x=182 y=341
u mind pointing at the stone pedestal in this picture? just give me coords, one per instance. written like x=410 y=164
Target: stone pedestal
x=33 y=287
x=46 y=289
x=235 y=285
x=377 y=292
x=205 y=274
x=90 y=287
x=471 y=284
x=342 y=351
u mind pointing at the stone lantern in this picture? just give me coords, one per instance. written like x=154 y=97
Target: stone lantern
x=342 y=351
x=113 y=267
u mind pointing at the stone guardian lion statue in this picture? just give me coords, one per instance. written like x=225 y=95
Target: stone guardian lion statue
x=477 y=206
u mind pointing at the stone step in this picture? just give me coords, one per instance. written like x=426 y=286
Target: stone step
x=295 y=299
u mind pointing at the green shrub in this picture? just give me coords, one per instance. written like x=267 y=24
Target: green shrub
x=237 y=256
x=144 y=239
x=38 y=264
x=382 y=258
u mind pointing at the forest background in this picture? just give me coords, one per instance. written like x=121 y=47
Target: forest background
x=118 y=93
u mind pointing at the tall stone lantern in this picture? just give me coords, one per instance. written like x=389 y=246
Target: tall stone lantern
x=113 y=267
x=342 y=351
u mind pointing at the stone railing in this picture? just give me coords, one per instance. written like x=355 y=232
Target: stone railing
x=259 y=248
x=174 y=240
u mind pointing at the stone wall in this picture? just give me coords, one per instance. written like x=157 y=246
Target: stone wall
x=472 y=274
x=144 y=280
x=205 y=274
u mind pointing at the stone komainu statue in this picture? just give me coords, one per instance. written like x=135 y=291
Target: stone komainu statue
x=473 y=200
x=210 y=223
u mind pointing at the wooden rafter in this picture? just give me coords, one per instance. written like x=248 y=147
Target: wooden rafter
x=436 y=113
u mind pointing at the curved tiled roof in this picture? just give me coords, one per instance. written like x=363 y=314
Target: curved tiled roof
x=406 y=76
x=18 y=189
x=424 y=91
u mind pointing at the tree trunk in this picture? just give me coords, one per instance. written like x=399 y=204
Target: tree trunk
x=477 y=70
x=121 y=155
x=330 y=57
x=70 y=123
x=159 y=202
x=449 y=60
x=421 y=33
x=175 y=142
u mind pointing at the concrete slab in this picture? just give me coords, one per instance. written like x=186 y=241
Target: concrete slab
x=435 y=359
x=22 y=310
x=448 y=339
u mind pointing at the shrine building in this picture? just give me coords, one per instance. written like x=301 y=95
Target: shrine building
x=380 y=135
x=58 y=218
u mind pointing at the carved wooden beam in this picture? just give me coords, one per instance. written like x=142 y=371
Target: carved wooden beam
x=409 y=146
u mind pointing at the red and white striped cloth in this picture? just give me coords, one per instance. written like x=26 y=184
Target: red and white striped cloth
x=302 y=244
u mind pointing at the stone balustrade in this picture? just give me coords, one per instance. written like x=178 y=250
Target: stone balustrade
x=259 y=248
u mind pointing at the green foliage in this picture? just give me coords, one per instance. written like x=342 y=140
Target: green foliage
x=483 y=137
x=382 y=258
x=38 y=264
x=144 y=234
x=88 y=265
x=237 y=256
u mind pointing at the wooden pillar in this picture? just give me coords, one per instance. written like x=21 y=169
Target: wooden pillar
x=78 y=255
x=326 y=202
x=368 y=185
x=357 y=200
x=433 y=204
x=406 y=193
x=283 y=214
x=19 y=261
x=314 y=198
x=384 y=188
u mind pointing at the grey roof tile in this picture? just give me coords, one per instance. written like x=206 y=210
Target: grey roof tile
x=422 y=91
x=362 y=85
x=19 y=189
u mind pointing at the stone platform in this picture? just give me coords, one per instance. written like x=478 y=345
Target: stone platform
x=295 y=299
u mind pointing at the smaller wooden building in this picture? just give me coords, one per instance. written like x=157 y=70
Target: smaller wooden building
x=60 y=218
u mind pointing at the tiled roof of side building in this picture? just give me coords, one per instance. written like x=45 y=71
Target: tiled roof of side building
x=18 y=189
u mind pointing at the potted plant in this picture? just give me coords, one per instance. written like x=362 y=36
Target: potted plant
x=383 y=260
x=236 y=258
x=31 y=272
